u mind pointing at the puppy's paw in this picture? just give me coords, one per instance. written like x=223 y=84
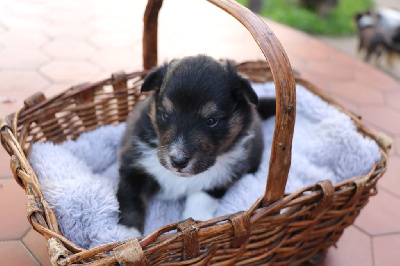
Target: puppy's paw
x=128 y=232
x=200 y=206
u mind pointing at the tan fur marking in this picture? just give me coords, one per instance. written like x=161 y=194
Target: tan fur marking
x=208 y=109
x=235 y=126
x=205 y=144
x=168 y=105
x=153 y=114
x=166 y=137
x=170 y=70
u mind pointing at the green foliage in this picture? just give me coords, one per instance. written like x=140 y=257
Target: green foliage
x=338 y=22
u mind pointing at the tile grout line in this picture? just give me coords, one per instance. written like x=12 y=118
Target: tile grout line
x=371 y=240
x=26 y=233
x=31 y=252
x=375 y=235
x=6 y=177
x=8 y=240
x=18 y=238
x=386 y=234
x=362 y=230
x=23 y=244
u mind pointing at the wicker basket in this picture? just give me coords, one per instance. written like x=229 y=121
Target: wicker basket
x=279 y=229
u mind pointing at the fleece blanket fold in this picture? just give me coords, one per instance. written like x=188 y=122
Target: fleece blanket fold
x=79 y=178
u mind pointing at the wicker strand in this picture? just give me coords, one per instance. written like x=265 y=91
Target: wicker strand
x=119 y=82
x=56 y=250
x=358 y=191
x=327 y=194
x=130 y=254
x=189 y=230
x=241 y=228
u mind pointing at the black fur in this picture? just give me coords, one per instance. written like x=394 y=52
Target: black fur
x=133 y=196
x=200 y=110
x=266 y=107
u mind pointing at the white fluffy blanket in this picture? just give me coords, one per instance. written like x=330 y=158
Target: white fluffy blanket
x=79 y=178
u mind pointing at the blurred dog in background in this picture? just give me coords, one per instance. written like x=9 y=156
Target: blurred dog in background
x=389 y=20
x=379 y=35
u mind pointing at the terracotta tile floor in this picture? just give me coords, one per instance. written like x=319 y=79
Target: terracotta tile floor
x=50 y=45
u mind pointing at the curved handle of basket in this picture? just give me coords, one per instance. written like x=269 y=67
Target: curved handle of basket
x=283 y=79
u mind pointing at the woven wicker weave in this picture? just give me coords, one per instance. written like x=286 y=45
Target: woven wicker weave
x=279 y=229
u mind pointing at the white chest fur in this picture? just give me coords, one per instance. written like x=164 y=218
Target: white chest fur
x=174 y=187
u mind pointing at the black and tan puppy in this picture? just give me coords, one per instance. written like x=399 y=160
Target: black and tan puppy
x=389 y=20
x=192 y=138
x=374 y=39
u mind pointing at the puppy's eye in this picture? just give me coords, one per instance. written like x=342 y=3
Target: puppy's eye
x=164 y=116
x=212 y=122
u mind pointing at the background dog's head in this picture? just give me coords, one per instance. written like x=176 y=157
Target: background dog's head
x=200 y=109
x=364 y=20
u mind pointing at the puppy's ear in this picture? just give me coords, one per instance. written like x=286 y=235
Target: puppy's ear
x=242 y=87
x=247 y=90
x=154 y=79
x=357 y=16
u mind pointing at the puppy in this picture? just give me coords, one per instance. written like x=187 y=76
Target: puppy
x=374 y=39
x=389 y=20
x=192 y=138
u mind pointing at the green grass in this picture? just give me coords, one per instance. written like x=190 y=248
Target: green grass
x=339 y=22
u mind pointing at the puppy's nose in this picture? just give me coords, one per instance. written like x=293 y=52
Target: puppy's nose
x=179 y=162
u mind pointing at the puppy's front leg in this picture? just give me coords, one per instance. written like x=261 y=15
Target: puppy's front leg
x=200 y=206
x=132 y=206
x=134 y=192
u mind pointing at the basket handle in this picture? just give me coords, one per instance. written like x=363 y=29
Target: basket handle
x=283 y=78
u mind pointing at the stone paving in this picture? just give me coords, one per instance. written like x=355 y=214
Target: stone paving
x=51 y=45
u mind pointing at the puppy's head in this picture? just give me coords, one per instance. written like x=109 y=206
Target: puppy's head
x=200 y=109
x=364 y=19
